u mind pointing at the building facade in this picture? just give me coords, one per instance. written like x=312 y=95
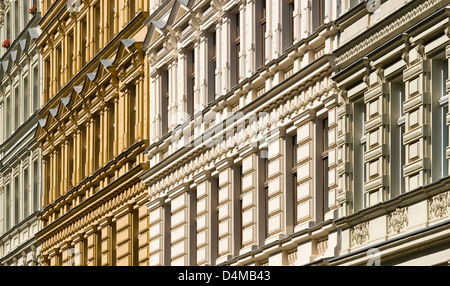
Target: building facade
x=298 y=133
x=93 y=132
x=20 y=156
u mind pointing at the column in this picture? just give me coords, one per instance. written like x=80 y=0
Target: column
x=223 y=76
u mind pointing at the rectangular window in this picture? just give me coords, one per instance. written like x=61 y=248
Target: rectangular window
x=8 y=207
x=59 y=66
x=165 y=101
x=359 y=144
x=266 y=196
x=8 y=25
x=47 y=72
x=191 y=82
x=133 y=114
x=318 y=14
x=59 y=170
x=111 y=10
x=70 y=163
x=70 y=56
x=111 y=129
x=397 y=130
x=237 y=48
x=26 y=189
x=25 y=12
x=16 y=108
x=84 y=39
x=132 y=4
x=16 y=19
x=8 y=117
x=26 y=100
x=294 y=179
x=212 y=43
x=83 y=153
x=325 y=169
x=35 y=89
x=97 y=142
x=97 y=27
x=241 y=205
x=439 y=107
x=36 y=199
x=291 y=22
x=261 y=7
x=16 y=200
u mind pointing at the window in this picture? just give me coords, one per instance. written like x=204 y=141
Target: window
x=84 y=55
x=26 y=111
x=111 y=18
x=16 y=19
x=439 y=107
x=266 y=195
x=97 y=27
x=397 y=156
x=8 y=117
x=215 y=217
x=70 y=56
x=318 y=14
x=165 y=101
x=291 y=21
x=359 y=144
x=191 y=82
x=47 y=80
x=36 y=88
x=8 y=25
x=133 y=114
x=16 y=200
x=97 y=133
x=59 y=67
x=59 y=170
x=261 y=8
x=212 y=66
x=25 y=12
x=36 y=198
x=111 y=130
x=16 y=109
x=83 y=152
x=241 y=205
x=237 y=47
x=70 y=163
x=26 y=189
x=8 y=207
x=325 y=188
x=294 y=147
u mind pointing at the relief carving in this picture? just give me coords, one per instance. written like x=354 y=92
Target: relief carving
x=397 y=220
x=359 y=234
x=438 y=206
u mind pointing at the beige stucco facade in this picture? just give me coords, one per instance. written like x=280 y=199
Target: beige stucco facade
x=320 y=141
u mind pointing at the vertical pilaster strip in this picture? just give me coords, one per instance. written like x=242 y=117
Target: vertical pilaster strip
x=276 y=194
x=250 y=196
x=143 y=234
x=156 y=233
x=203 y=215
x=106 y=230
x=225 y=205
x=376 y=99
x=417 y=108
x=344 y=151
x=332 y=157
x=180 y=227
x=124 y=236
x=305 y=169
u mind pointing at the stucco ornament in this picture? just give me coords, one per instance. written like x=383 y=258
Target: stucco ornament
x=360 y=234
x=398 y=220
x=438 y=206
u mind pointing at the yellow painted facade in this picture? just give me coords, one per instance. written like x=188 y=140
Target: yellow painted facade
x=92 y=133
